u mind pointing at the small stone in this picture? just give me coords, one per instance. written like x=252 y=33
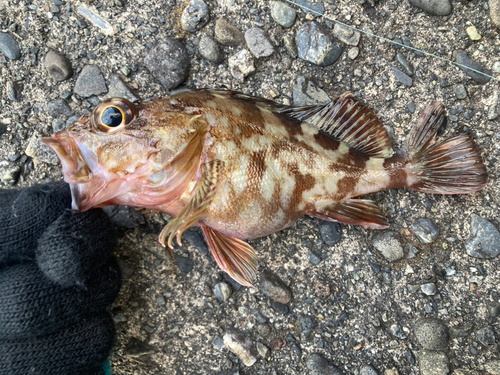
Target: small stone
x=283 y=14
x=493 y=367
x=90 y=82
x=281 y=308
x=40 y=152
x=274 y=288
x=218 y=343
x=14 y=91
x=307 y=324
x=472 y=32
x=196 y=239
x=241 y=345
x=346 y=34
x=310 y=7
x=96 y=20
x=425 y=230
x=209 y=49
x=168 y=61
x=484 y=239
x=119 y=318
x=486 y=336
x=404 y=63
x=402 y=77
x=389 y=245
x=397 y=331
x=58 y=66
x=185 y=264
x=434 y=7
x=222 y=291
x=241 y=65
x=195 y=16
x=494 y=6
x=119 y=89
x=59 y=108
x=9 y=46
x=494 y=108
x=314 y=44
x=433 y=363
x=460 y=92
x=411 y=106
x=313 y=258
x=368 y=370
x=463 y=58
x=124 y=216
x=431 y=334
x=306 y=92
x=353 y=53
x=227 y=34
x=318 y=365
x=9 y=173
x=428 y=289
x=258 y=43
x=263 y=350
x=330 y=232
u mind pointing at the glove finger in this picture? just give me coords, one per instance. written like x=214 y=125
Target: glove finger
x=31 y=305
x=74 y=245
x=78 y=350
x=24 y=215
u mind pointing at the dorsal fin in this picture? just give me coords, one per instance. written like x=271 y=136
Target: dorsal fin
x=349 y=121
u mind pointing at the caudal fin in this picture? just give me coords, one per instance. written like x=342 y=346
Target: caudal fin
x=449 y=166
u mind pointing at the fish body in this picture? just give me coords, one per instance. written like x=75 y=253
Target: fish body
x=242 y=167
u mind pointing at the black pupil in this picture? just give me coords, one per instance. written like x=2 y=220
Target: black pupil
x=112 y=117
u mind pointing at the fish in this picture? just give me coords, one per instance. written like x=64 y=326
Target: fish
x=242 y=167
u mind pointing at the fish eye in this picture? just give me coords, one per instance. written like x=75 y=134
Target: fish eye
x=113 y=115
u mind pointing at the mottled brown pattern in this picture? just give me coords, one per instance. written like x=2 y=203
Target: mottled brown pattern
x=303 y=182
x=396 y=169
x=326 y=141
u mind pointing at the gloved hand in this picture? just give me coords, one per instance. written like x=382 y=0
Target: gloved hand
x=57 y=277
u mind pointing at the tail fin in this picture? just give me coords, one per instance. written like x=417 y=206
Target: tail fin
x=450 y=166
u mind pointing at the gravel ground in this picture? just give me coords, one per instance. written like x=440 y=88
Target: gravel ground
x=417 y=298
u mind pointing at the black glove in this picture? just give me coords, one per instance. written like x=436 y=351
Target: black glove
x=57 y=278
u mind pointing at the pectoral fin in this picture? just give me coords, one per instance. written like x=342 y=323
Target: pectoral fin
x=354 y=211
x=202 y=197
x=233 y=256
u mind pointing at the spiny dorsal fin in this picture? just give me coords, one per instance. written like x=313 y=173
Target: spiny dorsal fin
x=349 y=121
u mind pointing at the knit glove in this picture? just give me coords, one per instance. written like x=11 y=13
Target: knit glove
x=57 y=278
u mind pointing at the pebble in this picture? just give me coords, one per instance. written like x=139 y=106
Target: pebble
x=313 y=258
x=119 y=89
x=314 y=44
x=40 y=152
x=346 y=34
x=408 y=68
x=397 y=331
x=14 y=91
x=433 y=363
x=318 y=365
x=460 y=91
x=274 y=288
x=227 y=34
x=389 y=245
x=58 y=65
x=307 y=324
x=493 y=367
x=124 y=216
x=411 y=106
x=494 y=6
x=263 y=350
x=195 y=16
x=9 y=46
x=434 y=7
x=218 y=343
x=9 y=173
x=196 y=239
x=494 y=108
x=90 y=82
x=209 y=49
x=169 y=62
x=241 y=65
x=367 y=370
x=306 y=92
x=185 y=264
x=222 y=291
x=258 y=43
x=425 y=230
x=428 y=289
x=462 y=330
x=463 y=58
x=472 y=32
x=431 y=334
x=241 y=345
x=315 y=8
x=486 y=336
x=96 y=20
x=353 y=53
x=330 y=232
x=283 y=14
x=484 y=239
x=59 y=108
x=402 y=77
x=290 y=45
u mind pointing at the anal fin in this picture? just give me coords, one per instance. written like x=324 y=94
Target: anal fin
x=354 y=211
x=233 y=256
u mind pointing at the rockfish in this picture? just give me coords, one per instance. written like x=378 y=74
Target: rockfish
x=241 y=167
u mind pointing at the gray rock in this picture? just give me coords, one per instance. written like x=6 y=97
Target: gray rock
x=307 y=324
x=90 y=82
x=263 y=350
x=59 y=108
x=484 y=239
x=241 y=345
x=124 y=216
x=493 y=367
x=313 y=258
x=315 y=8
x=241 y=65
x=306 y=92
x=222 y=291
x=96 y=20
x=389 y=245
x=227 y=34
x=196 y=239
x=494 y=108
x=460 y=91
x=407 y=67
x=39 y=151
x=462 y=330
x=346 y=34
x=367 y=370
x=218 y=343
x=185 y=264
x=330 y=232
x=283 y=14
x=428 y=289
x=434 y=7
x=314 y=44
x=411 y=106
x=168 y=61
x=433 y=363
x=397 y=331
x=9 y=173
x=119 y=89
x=494 y=6
x=195 y=16
x=431 y=334
x=209 y=49
x=463 y=58
x=402 y=77
x=15 y=90
x=353 y=52
x=258 y=43
x=486 y=336
x=425 y=230
x=9 y=46
x=318 y=365
x=274 y=288
x=58 y=66
x=58 y=125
